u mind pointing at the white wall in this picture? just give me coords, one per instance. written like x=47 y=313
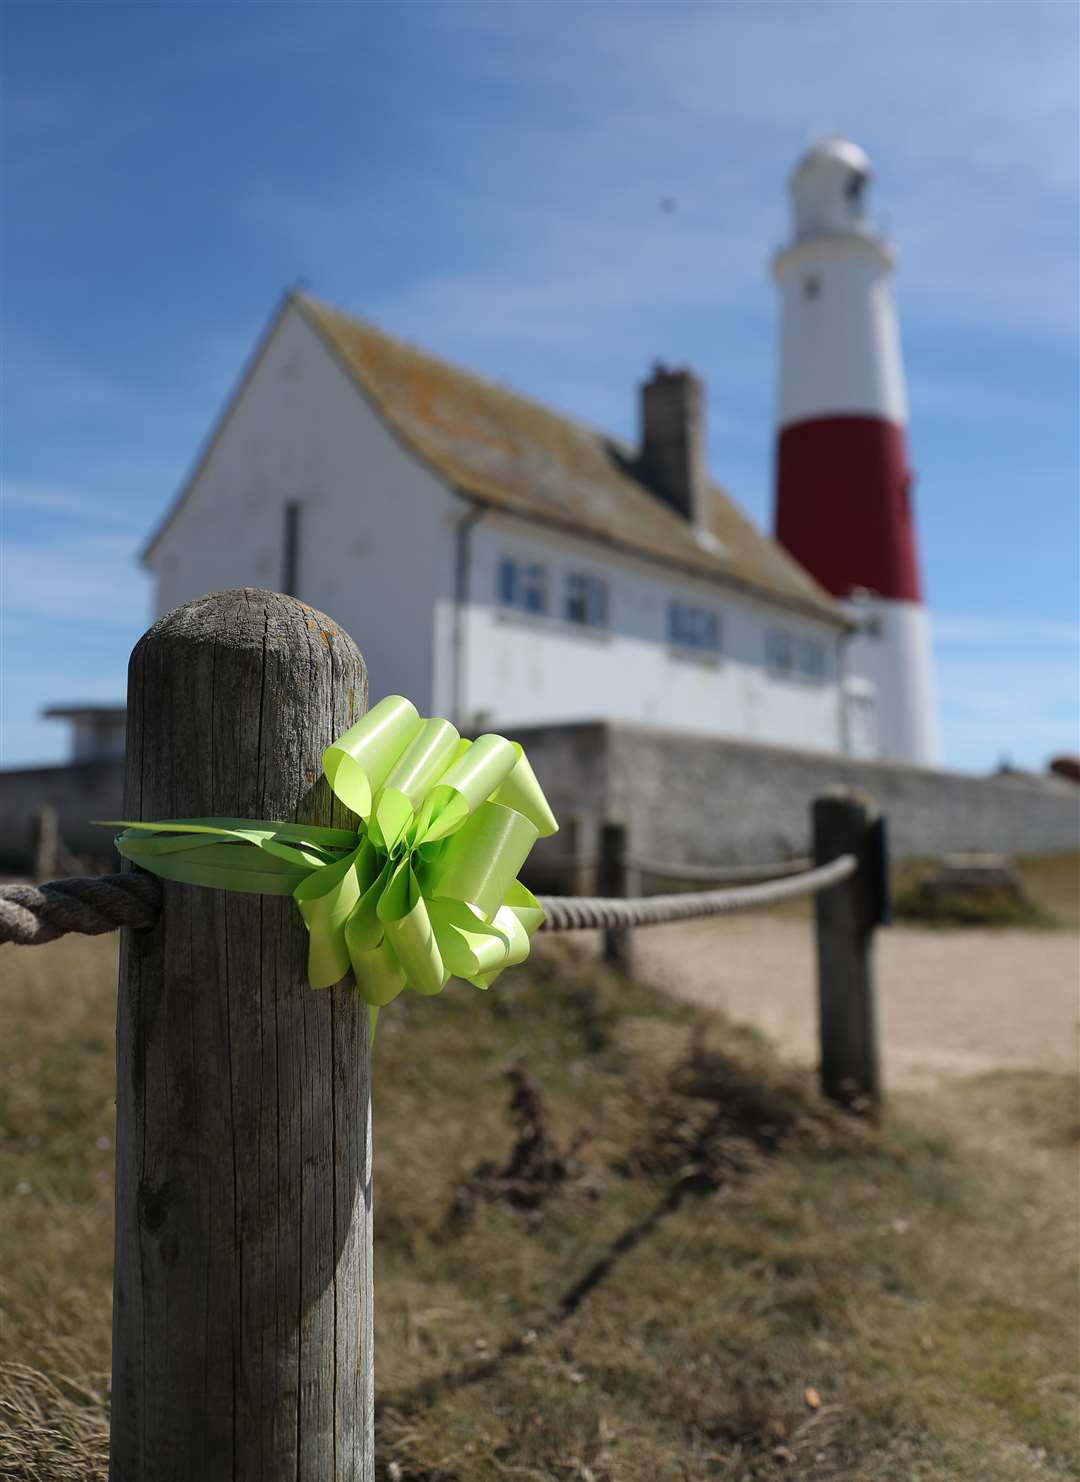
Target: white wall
x=521 y=669
x=893 y=652
x=94 y=740
x=376 y=540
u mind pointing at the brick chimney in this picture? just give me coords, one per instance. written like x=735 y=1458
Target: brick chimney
x=673 y=440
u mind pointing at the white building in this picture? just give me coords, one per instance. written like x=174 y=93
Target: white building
x=496 y=561
x=97 y=731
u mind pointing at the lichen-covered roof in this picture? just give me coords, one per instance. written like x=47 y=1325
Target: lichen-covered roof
x=512 y=453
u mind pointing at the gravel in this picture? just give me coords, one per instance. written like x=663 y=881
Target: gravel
x=950 y=1003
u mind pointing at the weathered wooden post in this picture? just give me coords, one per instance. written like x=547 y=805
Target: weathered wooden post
x=45 y=843
x=616 y=878
x=582 y=865
x=845 y=822
x=242 y=1309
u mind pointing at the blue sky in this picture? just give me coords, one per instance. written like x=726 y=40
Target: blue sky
x=486 y=180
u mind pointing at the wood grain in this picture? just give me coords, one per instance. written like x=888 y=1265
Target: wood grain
x=242 y=1313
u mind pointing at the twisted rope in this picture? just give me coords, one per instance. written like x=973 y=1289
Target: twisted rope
x=33 y=914
x=581 y=913
x=720 y=873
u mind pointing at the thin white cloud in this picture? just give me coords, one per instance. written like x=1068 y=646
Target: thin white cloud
x=1021 y=706
x=86 y=578
x=986 y=394
x=970 y=111
x=30 y=497
x=958 y=628
x=75 y=387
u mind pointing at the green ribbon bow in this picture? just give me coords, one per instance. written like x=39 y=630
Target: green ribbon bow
x=426 y=889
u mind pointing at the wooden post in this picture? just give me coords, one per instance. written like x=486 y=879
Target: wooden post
x=44 y=843
x=844 y=822
x=579 y=843
x=242 y=1307
x=615 y=878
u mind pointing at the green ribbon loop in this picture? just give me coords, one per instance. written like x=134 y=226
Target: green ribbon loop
x=426 y=888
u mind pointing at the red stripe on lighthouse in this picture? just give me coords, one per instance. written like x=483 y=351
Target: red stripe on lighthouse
x=843 y=507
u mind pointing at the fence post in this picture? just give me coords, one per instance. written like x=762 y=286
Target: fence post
x=579 y=842
x=45 y=843
x=242 y=1307
x=616 y=878
x=844 y=822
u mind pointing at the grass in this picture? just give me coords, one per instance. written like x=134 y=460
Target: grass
x=1048 y=895
x=1052 y=883
x=614 y=1242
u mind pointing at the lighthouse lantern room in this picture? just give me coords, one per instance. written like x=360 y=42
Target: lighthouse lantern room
x=843 y=484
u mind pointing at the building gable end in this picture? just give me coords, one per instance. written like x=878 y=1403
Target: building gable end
x=290 y=305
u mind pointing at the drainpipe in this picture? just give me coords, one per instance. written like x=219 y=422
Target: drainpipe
x=462 y=571
x=842 y=645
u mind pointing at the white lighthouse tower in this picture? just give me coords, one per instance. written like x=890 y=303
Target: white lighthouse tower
x=843 y=486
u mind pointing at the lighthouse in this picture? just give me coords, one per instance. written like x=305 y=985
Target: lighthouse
x=843 y=484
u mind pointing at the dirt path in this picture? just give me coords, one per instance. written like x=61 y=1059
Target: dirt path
x=951 y=1003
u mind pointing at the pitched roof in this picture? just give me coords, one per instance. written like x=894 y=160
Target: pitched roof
x=510 y=452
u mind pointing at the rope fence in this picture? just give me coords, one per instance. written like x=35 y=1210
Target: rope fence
x=721 y=874
x=31 y=915
x=581 y=913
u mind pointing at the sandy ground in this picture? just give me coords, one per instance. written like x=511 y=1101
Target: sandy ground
x=951 y=1003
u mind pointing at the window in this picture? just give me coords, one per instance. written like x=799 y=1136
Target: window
x=811 y=286
x=522 y=584
x=812 y=659
x=693 y=627
x=779 y=651
x=585 y=600
x=788 y=656
x=854 y=186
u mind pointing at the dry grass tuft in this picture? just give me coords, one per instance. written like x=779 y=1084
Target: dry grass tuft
x=727 y=1103
x=1046 y=894
x=928 y=904
x=54 y=1428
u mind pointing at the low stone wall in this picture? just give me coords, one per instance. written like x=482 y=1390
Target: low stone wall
x=695 y=800
x=683 y=798
x=79 y=792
